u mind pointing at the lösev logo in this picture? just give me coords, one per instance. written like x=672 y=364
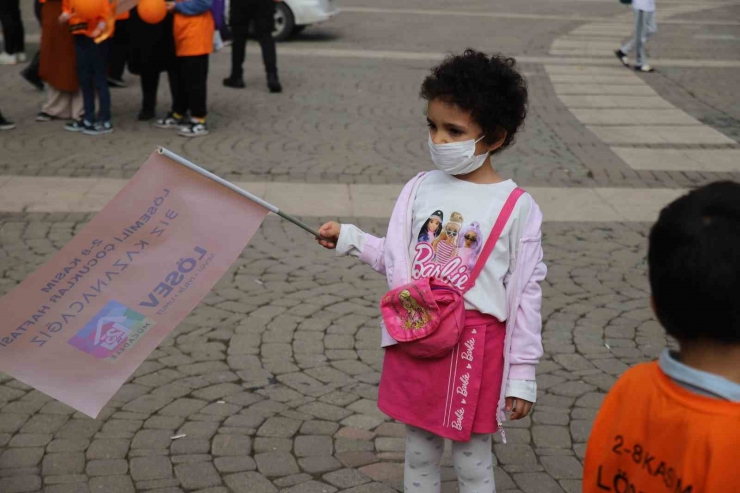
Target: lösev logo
x=113 y=331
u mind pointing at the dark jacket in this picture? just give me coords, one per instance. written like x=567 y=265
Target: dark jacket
x=242 y=12
x=152 y=45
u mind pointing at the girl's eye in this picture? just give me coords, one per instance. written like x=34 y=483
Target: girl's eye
x=431 y=126
x=455 y=132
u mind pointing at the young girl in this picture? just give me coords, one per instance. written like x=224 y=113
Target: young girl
x=476 y=104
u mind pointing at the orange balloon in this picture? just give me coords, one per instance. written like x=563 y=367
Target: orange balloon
x=87 y=9
x=152 y=11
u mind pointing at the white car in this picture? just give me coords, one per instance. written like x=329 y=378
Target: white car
x=292 y=16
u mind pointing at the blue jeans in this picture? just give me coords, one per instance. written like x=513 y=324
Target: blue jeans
x=92 y=75
x=645 y=28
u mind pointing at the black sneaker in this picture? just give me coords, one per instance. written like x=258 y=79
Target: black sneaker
x=622 y=57
x=113 y=82
x=6 y=124
x=196 y=129
x=146 y=115
x=78 y=125
x=273 y=83
x=43 y=116
x=235 y=83
x=170 y=121
x=100 y=128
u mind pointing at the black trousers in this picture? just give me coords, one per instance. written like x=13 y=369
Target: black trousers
x=191 y=88
x=150 y=84
x=119 y=51
x=262 y=14
x=32 y=70
x=10 y=19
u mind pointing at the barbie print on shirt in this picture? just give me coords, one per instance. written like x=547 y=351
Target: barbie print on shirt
x=447 y=251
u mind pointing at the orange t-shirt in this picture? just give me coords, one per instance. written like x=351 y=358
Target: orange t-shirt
x=80 y=25
x=193 y=33
x=654 y=436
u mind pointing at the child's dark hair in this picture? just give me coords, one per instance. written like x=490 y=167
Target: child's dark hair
x=490 y=88
x=694 y=263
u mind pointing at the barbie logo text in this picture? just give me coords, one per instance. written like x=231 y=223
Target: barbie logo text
x=468 y=353
x=453 y=272
x=457 y=422
x=463 y=388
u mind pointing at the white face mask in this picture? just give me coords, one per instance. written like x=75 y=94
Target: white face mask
x=456 y=158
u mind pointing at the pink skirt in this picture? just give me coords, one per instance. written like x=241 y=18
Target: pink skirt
x=452 y=396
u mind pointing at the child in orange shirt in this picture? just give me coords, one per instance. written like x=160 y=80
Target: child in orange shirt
x=674 y=425
x=193 y=28
x=92 y=66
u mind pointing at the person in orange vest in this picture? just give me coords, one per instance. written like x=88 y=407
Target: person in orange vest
x=58 y=68
x=673 y=425
x=92 y=66
x=193 y=28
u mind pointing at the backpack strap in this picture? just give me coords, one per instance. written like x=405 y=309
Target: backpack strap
x=498 y=228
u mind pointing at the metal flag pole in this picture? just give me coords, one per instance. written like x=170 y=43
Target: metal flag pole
x=234 y=188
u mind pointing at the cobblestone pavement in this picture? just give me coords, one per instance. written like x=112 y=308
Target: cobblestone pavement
x=271 y=383
x=357 y=120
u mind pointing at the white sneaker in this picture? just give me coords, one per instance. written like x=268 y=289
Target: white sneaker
x=170 y=121
x=644 y=68
x=21 y=57
x=7 y=59
x=196 y=129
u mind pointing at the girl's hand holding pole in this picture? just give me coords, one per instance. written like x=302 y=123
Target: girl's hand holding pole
x=329 y=235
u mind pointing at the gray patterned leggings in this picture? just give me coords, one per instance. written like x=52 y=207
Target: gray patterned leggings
x=473 y=463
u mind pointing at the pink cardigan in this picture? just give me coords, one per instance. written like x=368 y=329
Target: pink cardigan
x=389 y=256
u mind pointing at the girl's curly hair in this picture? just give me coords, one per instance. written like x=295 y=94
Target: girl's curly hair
x=489 y=87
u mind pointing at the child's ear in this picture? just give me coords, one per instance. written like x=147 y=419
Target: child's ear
x=501 y=137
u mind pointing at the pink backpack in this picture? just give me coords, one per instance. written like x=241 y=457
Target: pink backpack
x=427 y=316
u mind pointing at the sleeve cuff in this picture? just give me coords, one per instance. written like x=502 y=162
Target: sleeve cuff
x=351 y=241
x=522 y=389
